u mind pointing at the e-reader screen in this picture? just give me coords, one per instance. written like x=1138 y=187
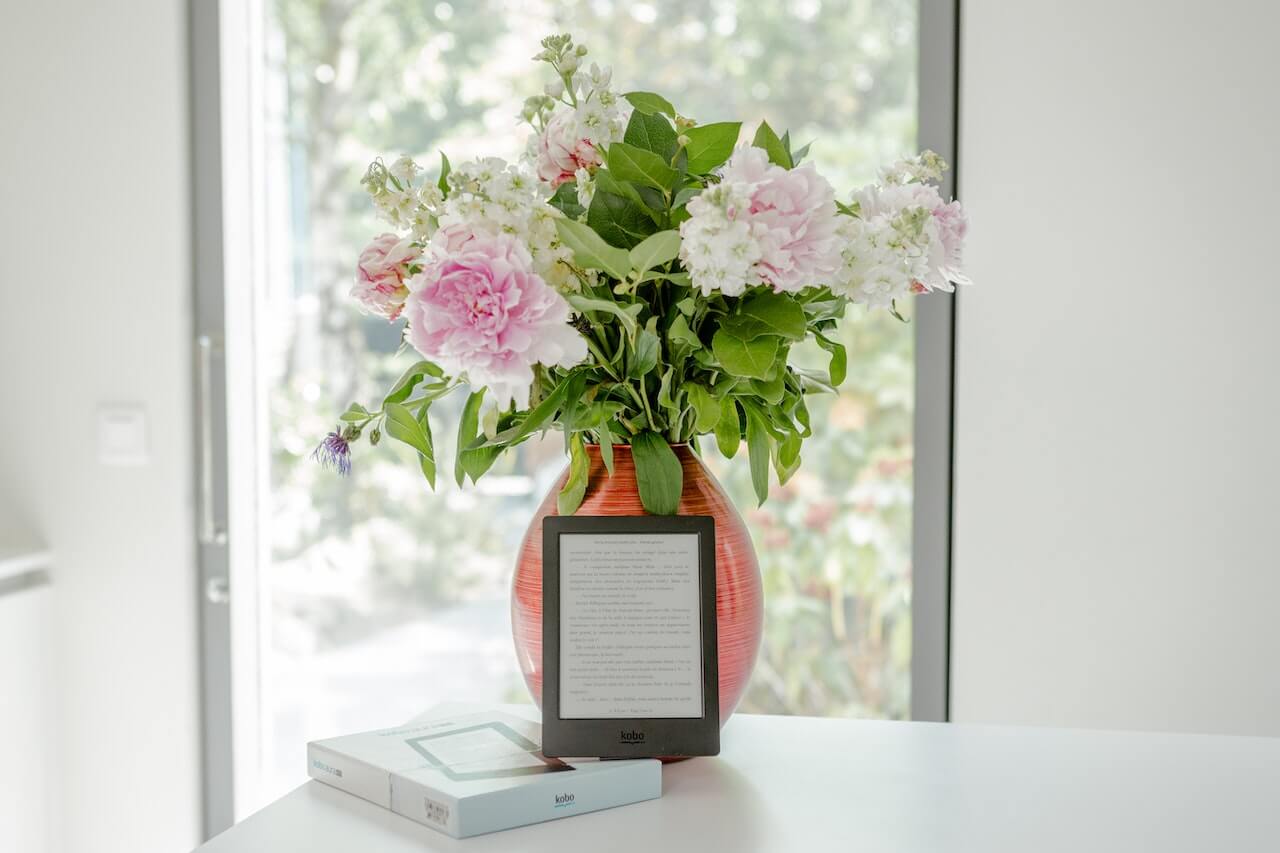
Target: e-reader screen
x=629 y=646
x=630 y=626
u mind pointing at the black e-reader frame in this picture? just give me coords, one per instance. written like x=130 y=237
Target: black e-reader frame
x=626 y=737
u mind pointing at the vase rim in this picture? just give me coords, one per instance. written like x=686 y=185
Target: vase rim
x=628 y=446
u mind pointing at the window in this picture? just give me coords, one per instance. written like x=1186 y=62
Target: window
x=374 y=597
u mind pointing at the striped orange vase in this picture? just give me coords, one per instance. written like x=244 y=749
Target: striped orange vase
x=739 y=597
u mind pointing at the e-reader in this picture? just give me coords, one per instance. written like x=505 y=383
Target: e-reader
x=629 y=655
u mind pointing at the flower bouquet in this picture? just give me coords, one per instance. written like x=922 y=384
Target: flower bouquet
x=638 y=279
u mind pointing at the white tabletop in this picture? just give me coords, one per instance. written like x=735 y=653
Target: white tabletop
x=804 y=784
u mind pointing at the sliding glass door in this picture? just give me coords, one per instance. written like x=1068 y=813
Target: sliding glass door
x=357 y=602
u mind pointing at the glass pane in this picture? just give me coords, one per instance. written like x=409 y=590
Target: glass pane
x=380 y=597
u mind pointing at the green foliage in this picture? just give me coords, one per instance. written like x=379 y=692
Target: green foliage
x=639 y=166
x=647 y=103
x=710 y=145
x=590 y=251
x=575 y=487
x=652 y=133
x=659 y=477
x=767 y=139
x=655 y=249
x=621 y=221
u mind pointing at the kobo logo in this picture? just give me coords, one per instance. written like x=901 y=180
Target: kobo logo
x=632 y=736
x=564 y=800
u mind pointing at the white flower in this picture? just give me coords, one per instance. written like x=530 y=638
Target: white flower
x=405 y=171
x=586 y=186
x=904 y=240
x=717 y=247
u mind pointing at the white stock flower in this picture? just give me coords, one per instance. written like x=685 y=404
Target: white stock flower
x=717 y=247
x=574 y=137
x=904 y=240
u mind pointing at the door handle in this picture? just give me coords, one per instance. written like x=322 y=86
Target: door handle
x=209 y=531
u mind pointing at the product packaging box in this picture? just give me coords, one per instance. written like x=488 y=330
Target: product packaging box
x=472 y=773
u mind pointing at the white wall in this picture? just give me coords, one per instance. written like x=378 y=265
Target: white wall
x=95 y=307
x=1118 y=469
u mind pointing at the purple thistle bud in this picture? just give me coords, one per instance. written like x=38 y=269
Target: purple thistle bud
x=334 y=452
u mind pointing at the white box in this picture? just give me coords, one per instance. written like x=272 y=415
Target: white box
x=468 y=774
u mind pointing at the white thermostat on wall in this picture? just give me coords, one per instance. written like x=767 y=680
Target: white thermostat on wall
x=122 y=434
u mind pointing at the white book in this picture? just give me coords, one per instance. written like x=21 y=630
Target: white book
x=467 y=774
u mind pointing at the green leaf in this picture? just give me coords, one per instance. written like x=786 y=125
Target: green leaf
x=768 y=140
x=685 y=196
x=650 y=132
x=409 y=380
x=445 y=169
x=786 y=457
x=625 y=313
x=654 y=250
x=659 y=476
x=540 y=415
x=355 y=413
x=565 y=200
x=606 y=445
x=687 y=306
x=839 y=366
x=467 y=427
x=770 y=389
x=706 y=409
x=591 y=251
x=728 y=428
x=404 y=427
x=575 y=487
x=777 y=314
x=630 y=163
x=710 y=145
x=427 y=461
x=666 y=399
x=759 y=446
x=680 y=333
x=645 y=356
x=802 y=416
x=606 y=182
x=650 y=103
x=753 y=359
x=620 y=221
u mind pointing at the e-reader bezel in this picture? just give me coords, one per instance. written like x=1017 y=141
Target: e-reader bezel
x=602 y=737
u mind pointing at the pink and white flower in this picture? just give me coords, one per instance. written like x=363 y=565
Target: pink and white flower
x=381 y=272
x=919 y=235
x=947 y=257
x=790 y=236
x=562 y=149
x=480 y=309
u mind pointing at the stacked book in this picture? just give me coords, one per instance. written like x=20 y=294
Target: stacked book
x=471 y=773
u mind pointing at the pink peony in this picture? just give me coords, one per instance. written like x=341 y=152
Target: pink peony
x=562 y=150
x=792 y=217
x=384 y=265
x=482 y=310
